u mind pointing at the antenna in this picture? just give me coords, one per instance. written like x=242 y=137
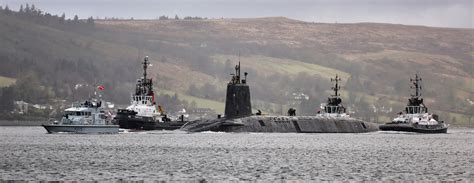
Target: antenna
x=336 y=87
x=145 y=66
x=416 y=85
x=239 y=55
x=238 y=72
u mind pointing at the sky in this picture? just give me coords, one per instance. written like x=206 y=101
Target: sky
x=435 y=13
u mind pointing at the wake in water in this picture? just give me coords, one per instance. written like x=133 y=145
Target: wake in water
x=28 y=153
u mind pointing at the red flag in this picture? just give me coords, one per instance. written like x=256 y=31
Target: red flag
x=101 y=87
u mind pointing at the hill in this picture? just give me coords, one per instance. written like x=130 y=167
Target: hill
x=378 y=59
x=195 y=57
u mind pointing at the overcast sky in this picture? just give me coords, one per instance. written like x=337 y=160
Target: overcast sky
x=438 y=13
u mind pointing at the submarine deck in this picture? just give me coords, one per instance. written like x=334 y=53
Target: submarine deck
x=283 y=124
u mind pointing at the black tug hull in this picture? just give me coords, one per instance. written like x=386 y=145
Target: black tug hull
x=412 y=128
x=135 y=123
x=132 y=122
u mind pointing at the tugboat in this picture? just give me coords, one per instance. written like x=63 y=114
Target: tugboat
x=87 y=117
x=416 y=117
x=142 y=114
x=238 y=116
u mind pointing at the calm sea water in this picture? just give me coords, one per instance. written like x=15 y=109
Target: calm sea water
x=28 y=153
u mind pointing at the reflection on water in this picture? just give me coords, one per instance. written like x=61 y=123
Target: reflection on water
x=28 y=153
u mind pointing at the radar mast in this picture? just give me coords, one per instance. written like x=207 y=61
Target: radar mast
x=145 y=66
x=336 y=87
x=416 y=85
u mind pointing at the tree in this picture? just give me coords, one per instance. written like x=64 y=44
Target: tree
x=90 y=21
x=175 y=97
x=62 y=19
x=363 y=109
x=351 y=97
x=470 y=113
x=193 y=104
x=176 y=17
x=354 y=83
x=27 y=8
x=7 y=96
x=28 y=88
x=21 y=9
x=163 y=17
x=192 y=90
x=7 y=9
x=33 y=9
x=76 y=19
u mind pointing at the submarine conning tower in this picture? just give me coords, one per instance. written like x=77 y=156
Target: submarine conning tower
x=237 y=103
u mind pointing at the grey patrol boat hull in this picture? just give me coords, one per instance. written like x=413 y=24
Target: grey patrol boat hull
x=282 y=124
x=82 y=129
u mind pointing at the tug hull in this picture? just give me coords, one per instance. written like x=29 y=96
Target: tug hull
x=131 y=122
x=414 y=128
x=141 y=123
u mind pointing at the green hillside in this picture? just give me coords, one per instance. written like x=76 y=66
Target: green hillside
x=195 y=57
x=273 y=65
x=6 y=81
x=201 y=103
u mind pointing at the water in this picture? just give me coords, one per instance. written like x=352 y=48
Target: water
x=28 y=153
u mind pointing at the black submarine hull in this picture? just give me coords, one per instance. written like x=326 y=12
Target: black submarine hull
x=282 y=124
x=413 y=128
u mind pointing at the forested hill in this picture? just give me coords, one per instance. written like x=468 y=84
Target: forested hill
x=49 y=55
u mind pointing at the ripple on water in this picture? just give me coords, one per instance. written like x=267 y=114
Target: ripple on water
x=28 y=153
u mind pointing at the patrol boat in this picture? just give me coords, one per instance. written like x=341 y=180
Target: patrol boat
x=86 y=117
x=239 y=118
x=142 y=114
x=416 y=118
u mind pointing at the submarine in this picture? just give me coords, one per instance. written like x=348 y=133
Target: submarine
x=238 y=115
